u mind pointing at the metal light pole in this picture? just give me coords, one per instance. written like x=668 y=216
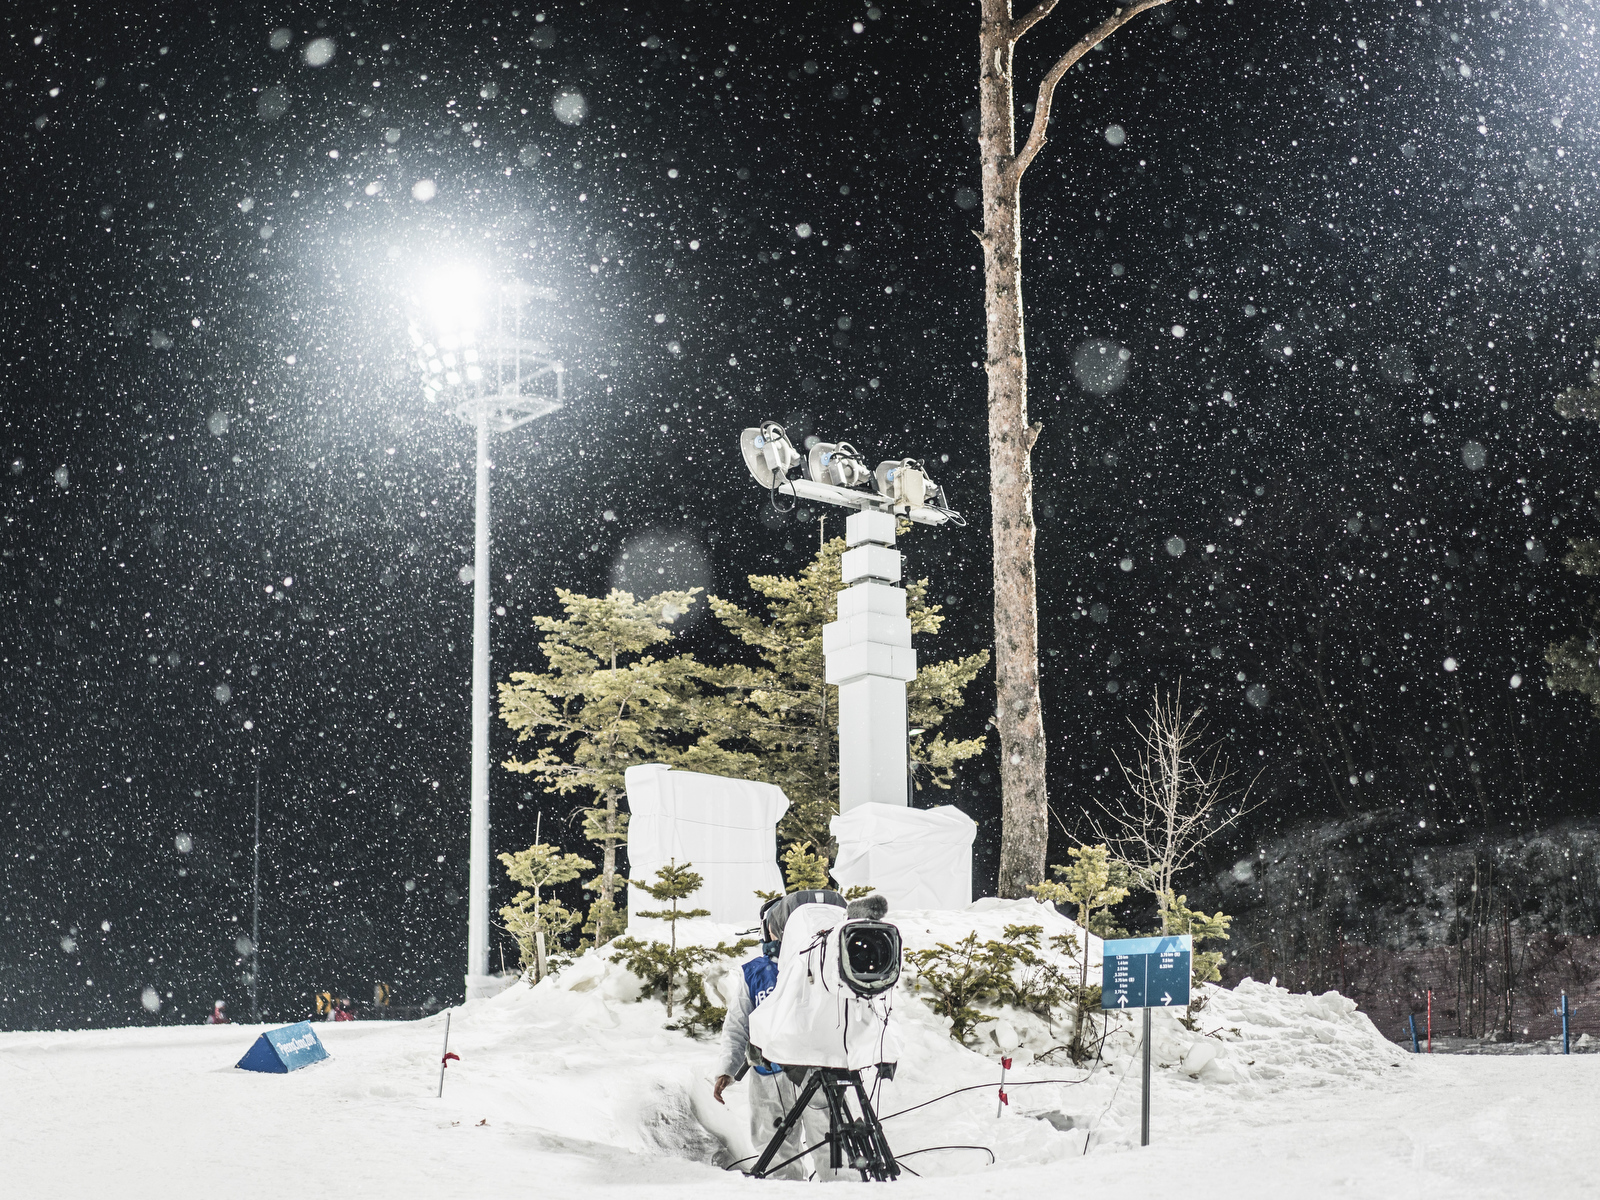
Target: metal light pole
x=478 y=871
x=867 y=648
x=255 y=902
x=455 y=367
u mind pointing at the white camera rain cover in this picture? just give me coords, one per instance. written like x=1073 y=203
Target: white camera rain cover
x=812 y=1018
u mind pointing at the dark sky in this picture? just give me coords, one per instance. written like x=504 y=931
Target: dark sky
x=1349 y=251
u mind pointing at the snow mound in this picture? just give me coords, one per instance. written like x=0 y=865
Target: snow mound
x=583 y=1061
x=577 y=1085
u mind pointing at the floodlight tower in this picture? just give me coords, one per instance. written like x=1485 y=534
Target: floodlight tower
x=495 y=381
x=868 y=647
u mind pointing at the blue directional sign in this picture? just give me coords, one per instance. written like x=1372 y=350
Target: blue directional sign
x=1146 y=972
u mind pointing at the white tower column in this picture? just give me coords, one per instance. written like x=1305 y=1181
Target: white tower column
x=869 y=656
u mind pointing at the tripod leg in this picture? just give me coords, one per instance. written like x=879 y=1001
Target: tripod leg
x=789 y=1121
x=841 y=1153
x=884 y=1165
x=853 y=1138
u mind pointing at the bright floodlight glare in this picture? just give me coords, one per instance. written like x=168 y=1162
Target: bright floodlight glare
x=454 y=297
x=768 y=453
x=838 y=463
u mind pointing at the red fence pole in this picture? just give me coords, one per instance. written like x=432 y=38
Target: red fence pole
x=1430 y=1020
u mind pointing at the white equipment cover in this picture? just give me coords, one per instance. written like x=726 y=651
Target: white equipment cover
x=812 y=1018
x=727 y=828
x=917 y=857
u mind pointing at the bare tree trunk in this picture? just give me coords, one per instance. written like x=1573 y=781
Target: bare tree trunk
x=608 y=871
x=1018 y=715
x=1018 y=712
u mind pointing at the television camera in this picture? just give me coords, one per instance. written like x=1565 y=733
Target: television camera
x=828 y=1019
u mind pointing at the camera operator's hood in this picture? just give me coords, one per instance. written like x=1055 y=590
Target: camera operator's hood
x=775 y=914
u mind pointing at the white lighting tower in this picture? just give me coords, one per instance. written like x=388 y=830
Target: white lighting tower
x=489 y=377
x=868 y=647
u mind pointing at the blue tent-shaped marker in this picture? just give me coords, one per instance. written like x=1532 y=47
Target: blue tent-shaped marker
x=279 y=1051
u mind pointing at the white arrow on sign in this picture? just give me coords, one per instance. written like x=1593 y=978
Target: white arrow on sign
x=1122 y=1002
x=1167 y=999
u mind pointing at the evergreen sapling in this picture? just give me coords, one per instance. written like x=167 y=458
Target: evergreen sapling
x=531 y=917
x=661 y=965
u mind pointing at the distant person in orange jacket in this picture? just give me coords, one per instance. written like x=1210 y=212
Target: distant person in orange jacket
x=218 y=1017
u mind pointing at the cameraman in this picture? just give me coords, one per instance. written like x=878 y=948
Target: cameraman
x=772 y=1092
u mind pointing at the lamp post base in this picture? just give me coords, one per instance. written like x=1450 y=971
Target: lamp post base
x=484 y=987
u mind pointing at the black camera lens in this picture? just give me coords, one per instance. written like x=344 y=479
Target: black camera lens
x=871 y=960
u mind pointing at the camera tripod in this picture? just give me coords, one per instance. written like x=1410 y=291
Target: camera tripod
x=856 y=1142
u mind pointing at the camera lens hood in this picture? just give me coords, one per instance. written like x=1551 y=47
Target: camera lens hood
x=869 y=956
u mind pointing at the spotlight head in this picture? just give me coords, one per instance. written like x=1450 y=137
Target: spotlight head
x=903 y=483
x=837 y=463
x=768 y=453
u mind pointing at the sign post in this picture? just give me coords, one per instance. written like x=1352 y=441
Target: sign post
x=1563 y=1012
x=1146 y=973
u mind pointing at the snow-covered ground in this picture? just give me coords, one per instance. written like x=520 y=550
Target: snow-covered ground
x=575 y=1088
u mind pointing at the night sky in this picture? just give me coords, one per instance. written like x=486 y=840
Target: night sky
x=1349 y=250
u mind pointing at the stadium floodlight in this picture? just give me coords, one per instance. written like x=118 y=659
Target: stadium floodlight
x=835 y=473
x=903 y=481
x=838 y=463
x=768 y=453
x=496 y=374
x=494 y=379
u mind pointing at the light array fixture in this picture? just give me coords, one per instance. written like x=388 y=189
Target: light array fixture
x=497 y=373
x=835 y=473
x=838 y=463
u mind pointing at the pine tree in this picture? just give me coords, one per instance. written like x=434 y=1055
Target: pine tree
x=804 y=870
x=661 y=964
x=605 y=705
x=1178 y=918
x=787 y=713
x=1573 y=662
x=1092 y=883
x=531 y=917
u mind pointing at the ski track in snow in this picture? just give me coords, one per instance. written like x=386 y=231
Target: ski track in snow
x=584 y=1092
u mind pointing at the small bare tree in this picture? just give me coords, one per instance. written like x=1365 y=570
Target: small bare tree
x=1024 y=802
x=1180 y=796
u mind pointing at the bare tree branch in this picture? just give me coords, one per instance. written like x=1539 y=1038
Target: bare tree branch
x=1047 y=86
x=1026 y=22
x=1178 y=799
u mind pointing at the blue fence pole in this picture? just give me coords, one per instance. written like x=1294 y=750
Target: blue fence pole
x=1566 y=1047
x=1412 y=1017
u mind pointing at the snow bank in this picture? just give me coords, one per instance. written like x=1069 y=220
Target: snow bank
x=575 y=1087
x=581 y=1036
